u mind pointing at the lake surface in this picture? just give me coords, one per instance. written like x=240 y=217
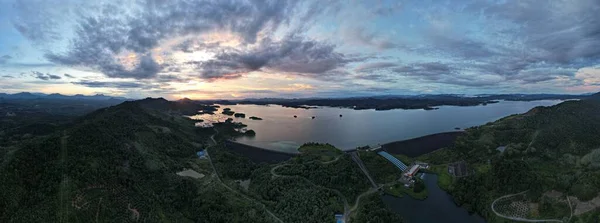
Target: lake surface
x=279 y=130
x=438 y=207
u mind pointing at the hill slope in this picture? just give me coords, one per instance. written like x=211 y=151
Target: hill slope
x=117 y=164
x=546 y=149
x=126 y=164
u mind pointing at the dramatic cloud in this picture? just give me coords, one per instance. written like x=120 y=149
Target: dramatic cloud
x=290 y=55
x=5 y=58
x=42 y=76
x=589 y=75
x=446 y=74
x=367 y=67
x=166 y=47
x=100 y=39
x=105 y=84
x=363 y=37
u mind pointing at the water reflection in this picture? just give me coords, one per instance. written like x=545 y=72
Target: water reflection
x=279 y=130
x=438 y=207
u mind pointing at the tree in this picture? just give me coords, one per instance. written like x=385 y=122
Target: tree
x=419 y=186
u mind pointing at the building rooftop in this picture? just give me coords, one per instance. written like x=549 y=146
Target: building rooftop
x=458 y=169
x=413 y=169
x=339 y=218
x=201 y=154
x=501 y=149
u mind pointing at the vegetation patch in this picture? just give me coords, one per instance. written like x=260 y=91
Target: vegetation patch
x=548 y=148
x=318 y=151
x=445 y=180
x=417 y=191
x=227 y=111
x=372 y=209
x=96 y=169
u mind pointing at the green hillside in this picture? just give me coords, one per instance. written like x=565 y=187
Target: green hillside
x=122 y=164
x=118 y=164
x=547 y=149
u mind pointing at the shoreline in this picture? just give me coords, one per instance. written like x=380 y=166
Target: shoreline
x=425 y=102
x=413 y=147
x=422 y=145
x=258 y=154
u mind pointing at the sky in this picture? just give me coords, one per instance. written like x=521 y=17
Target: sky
x=226 y=49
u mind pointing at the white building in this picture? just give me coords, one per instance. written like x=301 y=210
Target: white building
x=412 y=171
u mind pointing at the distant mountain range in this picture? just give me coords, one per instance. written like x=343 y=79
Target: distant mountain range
x=429 y=96
x=387 y=102
x=429 y=99
x=29 y=95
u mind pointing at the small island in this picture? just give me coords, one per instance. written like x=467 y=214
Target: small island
x=430 y=108
x=427 y=102
x=299 y=106
x=240 y=115
x=255 y=118
x=228 y=111
x=250 y=132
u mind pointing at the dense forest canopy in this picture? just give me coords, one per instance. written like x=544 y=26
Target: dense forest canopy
x=547 y=149
x=122 y=163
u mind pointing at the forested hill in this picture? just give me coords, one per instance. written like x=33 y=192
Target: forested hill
x=595 y=96
x=570 y=127
x=426 y=102
x=137 y=162
x=554 y=148
x=117 y=164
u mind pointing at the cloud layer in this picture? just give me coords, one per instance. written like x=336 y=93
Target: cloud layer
x=101 y=37
x=45 y=77
x=394 y=47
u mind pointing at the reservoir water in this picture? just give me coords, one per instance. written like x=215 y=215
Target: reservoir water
x=438 y=207
x=279 y=130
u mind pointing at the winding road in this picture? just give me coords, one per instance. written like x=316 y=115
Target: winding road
x=347 y=209
x=521 y=219
x=346 y=206
x=362 y=167
x=357 y=201
x=231 y=189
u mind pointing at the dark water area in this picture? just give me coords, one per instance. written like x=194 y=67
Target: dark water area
x=422 y=145
x=438 y=207
x=280 y=131
x=258 y=155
